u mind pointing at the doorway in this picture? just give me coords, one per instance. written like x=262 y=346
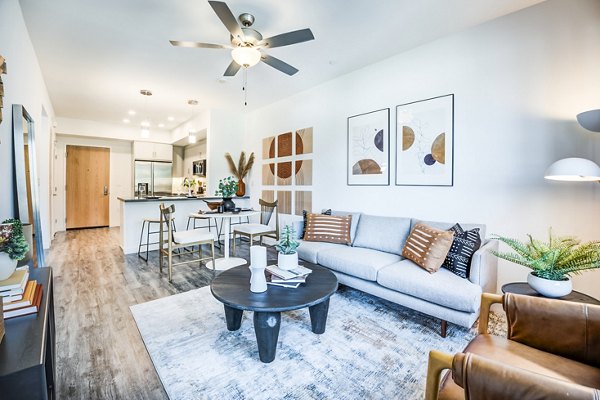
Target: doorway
x=87 y=187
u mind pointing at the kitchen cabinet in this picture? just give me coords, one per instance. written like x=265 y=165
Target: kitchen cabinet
x=151 y=151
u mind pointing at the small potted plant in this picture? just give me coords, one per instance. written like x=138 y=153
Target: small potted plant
x=189 y=183
x=227 y=188
x=287 y=245
x=552 y=262
x=13 y=247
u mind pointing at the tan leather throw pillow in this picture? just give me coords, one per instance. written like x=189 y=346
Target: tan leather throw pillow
x=428 y=247
x=327 y=228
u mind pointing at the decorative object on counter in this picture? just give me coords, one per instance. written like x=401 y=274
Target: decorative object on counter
x=189 y=183
x=552 y=262
x=258 y=263
x=13 y=247
x=2 y=71
x=288 y=256
x=227 y=188
x=241 y=170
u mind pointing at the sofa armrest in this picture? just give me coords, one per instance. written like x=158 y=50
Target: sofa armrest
x=484 y=267
x=483 y=378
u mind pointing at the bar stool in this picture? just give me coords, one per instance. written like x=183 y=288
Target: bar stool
x=150 y=222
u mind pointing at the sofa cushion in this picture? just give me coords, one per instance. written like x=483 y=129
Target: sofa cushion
x=442 y=288
x=464 y=245
x=305 y=222
x=356 y=261
x=355 y=220
x=428 y=247
x=382 y=233
x=328 y=228
x=309 y=251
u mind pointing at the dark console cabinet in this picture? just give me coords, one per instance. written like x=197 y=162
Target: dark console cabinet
x=27 y=358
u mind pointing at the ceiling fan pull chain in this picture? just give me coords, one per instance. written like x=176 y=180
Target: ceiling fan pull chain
x=244 y=88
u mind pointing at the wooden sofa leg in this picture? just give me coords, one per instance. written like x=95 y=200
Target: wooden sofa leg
x=444 y=328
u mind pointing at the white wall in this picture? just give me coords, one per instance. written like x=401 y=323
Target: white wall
x=121 y=174
x=198 y=123
x=80 y=127
x=23 y=84
x=518 y=83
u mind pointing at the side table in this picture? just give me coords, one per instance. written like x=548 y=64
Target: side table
x=524 y=289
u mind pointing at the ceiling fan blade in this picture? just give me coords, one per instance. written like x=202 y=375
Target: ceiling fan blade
x=227 y=18
x=285 y=39
x=179 y=43
x=232 y=69
x=278 y=64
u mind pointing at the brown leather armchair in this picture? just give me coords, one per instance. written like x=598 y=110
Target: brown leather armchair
x=552 y=351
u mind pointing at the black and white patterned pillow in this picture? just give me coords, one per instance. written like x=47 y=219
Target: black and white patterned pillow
x=465 y=244
x=304 y=219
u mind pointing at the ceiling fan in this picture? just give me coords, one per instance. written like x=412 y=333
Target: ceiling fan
x=247 y=44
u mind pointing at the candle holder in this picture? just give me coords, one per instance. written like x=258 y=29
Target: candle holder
x=258 y=263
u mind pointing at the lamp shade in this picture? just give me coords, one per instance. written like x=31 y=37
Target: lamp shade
x=246 y=56
x=573 y=169
x=590 y=120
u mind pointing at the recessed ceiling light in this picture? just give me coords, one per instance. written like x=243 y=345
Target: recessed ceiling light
x=161 y=125
x=131 y=112
x=145 y=124
x=193 y=102
x=171 y=119
x=126 y=120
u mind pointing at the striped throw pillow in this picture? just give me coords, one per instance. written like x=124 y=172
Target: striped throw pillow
x=326 y=228
x=428 y=247
x=464 y=245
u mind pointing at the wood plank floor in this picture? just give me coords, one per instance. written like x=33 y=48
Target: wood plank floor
x=99 y=351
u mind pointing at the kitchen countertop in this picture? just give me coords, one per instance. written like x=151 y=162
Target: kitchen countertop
x=175 y=198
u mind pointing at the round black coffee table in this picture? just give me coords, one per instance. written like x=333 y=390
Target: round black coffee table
x=232 y=288
x=524 y=289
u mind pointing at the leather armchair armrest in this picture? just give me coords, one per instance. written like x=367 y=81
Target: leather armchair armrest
x=483 y=378
x=484 y=267
x=438 y=362
x=487 y=299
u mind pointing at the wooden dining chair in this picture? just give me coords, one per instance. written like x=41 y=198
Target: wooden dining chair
x=183 y=242
x=262 y=229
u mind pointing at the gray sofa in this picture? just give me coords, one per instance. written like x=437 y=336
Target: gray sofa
x=374 y=264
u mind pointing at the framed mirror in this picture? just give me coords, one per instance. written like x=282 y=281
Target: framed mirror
x=27 y=204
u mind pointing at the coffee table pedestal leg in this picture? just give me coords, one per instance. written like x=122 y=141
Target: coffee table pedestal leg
x=318 y=316
x=266 y=328
x=233 y=316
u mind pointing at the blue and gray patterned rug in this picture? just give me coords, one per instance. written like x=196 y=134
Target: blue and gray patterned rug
x=372 y=349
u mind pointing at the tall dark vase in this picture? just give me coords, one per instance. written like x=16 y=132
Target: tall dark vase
x=228 y=204
x=241 y=189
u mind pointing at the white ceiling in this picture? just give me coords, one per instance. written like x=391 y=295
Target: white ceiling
x=97 y=55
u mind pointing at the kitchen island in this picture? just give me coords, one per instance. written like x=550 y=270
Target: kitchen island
x=135 y=209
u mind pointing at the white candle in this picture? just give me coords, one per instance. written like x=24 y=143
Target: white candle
x=258 y=256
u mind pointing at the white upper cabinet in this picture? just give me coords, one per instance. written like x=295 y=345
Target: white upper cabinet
x=152 y=151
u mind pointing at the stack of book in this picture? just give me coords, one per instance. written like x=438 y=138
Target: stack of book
x=287 y=278
x=20 y=296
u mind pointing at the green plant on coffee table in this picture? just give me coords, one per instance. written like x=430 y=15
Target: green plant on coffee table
x=12 y=240
x=555 y=259
x=227 y=187
x=287 y=244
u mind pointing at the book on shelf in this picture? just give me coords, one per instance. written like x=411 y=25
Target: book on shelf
x=27 y=298
x=32 y=309
x=288 y=274
x=15 y=284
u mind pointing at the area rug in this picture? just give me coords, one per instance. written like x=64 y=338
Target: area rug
x=372 y=349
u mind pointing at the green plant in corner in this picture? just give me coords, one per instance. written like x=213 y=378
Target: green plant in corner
x=556 y=259
x=287 y=244
x=12 y=241
x=227 y=187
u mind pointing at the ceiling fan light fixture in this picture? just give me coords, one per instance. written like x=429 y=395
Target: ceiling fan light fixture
x=246 y=56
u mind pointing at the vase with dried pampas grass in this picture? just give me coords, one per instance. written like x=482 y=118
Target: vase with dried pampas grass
x=240 y=170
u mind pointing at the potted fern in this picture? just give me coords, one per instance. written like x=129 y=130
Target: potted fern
x=287 y=245
x=552 y=262
x=13 y=247
x=240 y=170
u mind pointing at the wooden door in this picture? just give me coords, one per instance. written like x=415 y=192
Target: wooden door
x=88 y=172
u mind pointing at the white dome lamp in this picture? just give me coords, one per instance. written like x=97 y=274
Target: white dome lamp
x=573 y=169
x=246 y=56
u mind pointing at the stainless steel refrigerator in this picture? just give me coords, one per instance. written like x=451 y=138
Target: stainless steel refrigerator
x=158 y=176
